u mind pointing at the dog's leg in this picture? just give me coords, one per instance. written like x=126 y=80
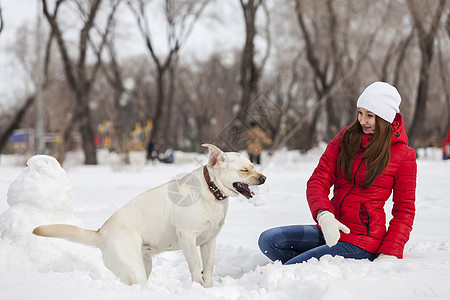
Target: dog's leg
x=122 y=254
x=207 y=251
x=147 y=257
x=187 y=242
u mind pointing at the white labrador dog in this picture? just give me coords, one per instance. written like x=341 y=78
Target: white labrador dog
x=181 y=214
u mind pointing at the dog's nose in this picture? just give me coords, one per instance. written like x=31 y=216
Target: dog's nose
x=262 y=179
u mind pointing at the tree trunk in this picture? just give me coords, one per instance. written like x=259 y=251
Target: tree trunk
x=447 y=25
x=77 y=76
x=87 y=135
x=249 y=71
x=312 y=131
x=416 y=132
x=333 y=121
x=158 y=115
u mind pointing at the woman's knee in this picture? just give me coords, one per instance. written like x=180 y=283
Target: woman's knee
x=266 y=239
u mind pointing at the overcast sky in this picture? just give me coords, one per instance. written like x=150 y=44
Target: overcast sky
x=208 y=36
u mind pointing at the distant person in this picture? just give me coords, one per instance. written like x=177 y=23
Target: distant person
x=446 y=146
x=152 y=154
x=365 y=163
x=256 y=138
x=167 y=157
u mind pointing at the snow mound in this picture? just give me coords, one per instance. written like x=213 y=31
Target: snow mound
x=43 y=184
x=41 y=194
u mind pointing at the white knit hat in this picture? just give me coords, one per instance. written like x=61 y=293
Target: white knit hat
x=382 y=99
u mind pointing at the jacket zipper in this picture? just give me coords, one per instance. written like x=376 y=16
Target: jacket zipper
x=354 y=184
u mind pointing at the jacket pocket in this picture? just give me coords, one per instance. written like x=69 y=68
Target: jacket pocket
x=365 y=217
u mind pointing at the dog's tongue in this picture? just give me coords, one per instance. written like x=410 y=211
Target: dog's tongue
x=255 y=195
x=244 y=189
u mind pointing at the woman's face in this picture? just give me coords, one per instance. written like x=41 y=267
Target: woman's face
x=367 y=120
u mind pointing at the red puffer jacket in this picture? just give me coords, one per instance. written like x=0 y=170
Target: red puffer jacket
x=362 y=210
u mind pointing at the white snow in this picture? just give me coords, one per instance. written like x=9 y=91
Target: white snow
x=32 y=267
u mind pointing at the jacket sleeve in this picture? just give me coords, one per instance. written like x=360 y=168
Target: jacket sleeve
x=403 y=210
x=323 y=178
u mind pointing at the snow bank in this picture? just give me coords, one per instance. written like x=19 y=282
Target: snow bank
x=40 y=195
x=42 y=268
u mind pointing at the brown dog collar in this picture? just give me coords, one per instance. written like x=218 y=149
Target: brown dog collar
x=212 y=186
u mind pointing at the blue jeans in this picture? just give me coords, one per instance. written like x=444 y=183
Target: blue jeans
x=298 y=243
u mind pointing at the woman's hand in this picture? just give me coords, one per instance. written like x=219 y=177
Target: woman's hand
x=331 y=227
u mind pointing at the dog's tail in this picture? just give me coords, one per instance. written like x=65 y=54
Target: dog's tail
x=69 y=232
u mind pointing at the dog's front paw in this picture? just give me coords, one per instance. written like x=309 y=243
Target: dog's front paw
x=204 y=282
x=199 y=280
x=207 y=283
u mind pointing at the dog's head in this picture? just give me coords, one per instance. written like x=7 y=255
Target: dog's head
x=232 y=172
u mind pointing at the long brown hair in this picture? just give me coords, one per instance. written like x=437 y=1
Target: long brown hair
x=377 y=153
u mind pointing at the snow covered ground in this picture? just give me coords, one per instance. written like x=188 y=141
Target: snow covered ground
x=36 y=268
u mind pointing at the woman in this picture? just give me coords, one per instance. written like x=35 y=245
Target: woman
x=365 y=162
x=446 y=146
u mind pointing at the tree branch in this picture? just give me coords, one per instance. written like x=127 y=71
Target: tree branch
x=84 y=35
x=313 y=60
x=104 y=40
x=142 y=22
x=268 y=37
x=62 y=45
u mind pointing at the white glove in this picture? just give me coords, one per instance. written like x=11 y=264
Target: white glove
x=331 y=227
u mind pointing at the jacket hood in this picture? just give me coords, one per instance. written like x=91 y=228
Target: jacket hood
x=398 y=133
x=398 y=130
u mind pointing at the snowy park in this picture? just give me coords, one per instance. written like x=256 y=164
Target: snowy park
x=124 y=93
x=37 y=190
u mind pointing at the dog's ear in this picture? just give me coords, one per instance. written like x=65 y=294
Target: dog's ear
x=215 y=155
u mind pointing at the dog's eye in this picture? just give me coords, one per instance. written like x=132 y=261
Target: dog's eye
x=245 y=170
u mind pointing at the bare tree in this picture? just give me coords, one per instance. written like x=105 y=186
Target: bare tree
x=426 y=38
x=395 y=55
x=205 y=96
x=197 y=98
x=181 y=17
x=124 y=80
x=80 y=77
x=289 y=82
x=331 y=60
x=116 y=80
x=341 y=45
x=250 y=69
x=27 y=58
x=250 y=73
